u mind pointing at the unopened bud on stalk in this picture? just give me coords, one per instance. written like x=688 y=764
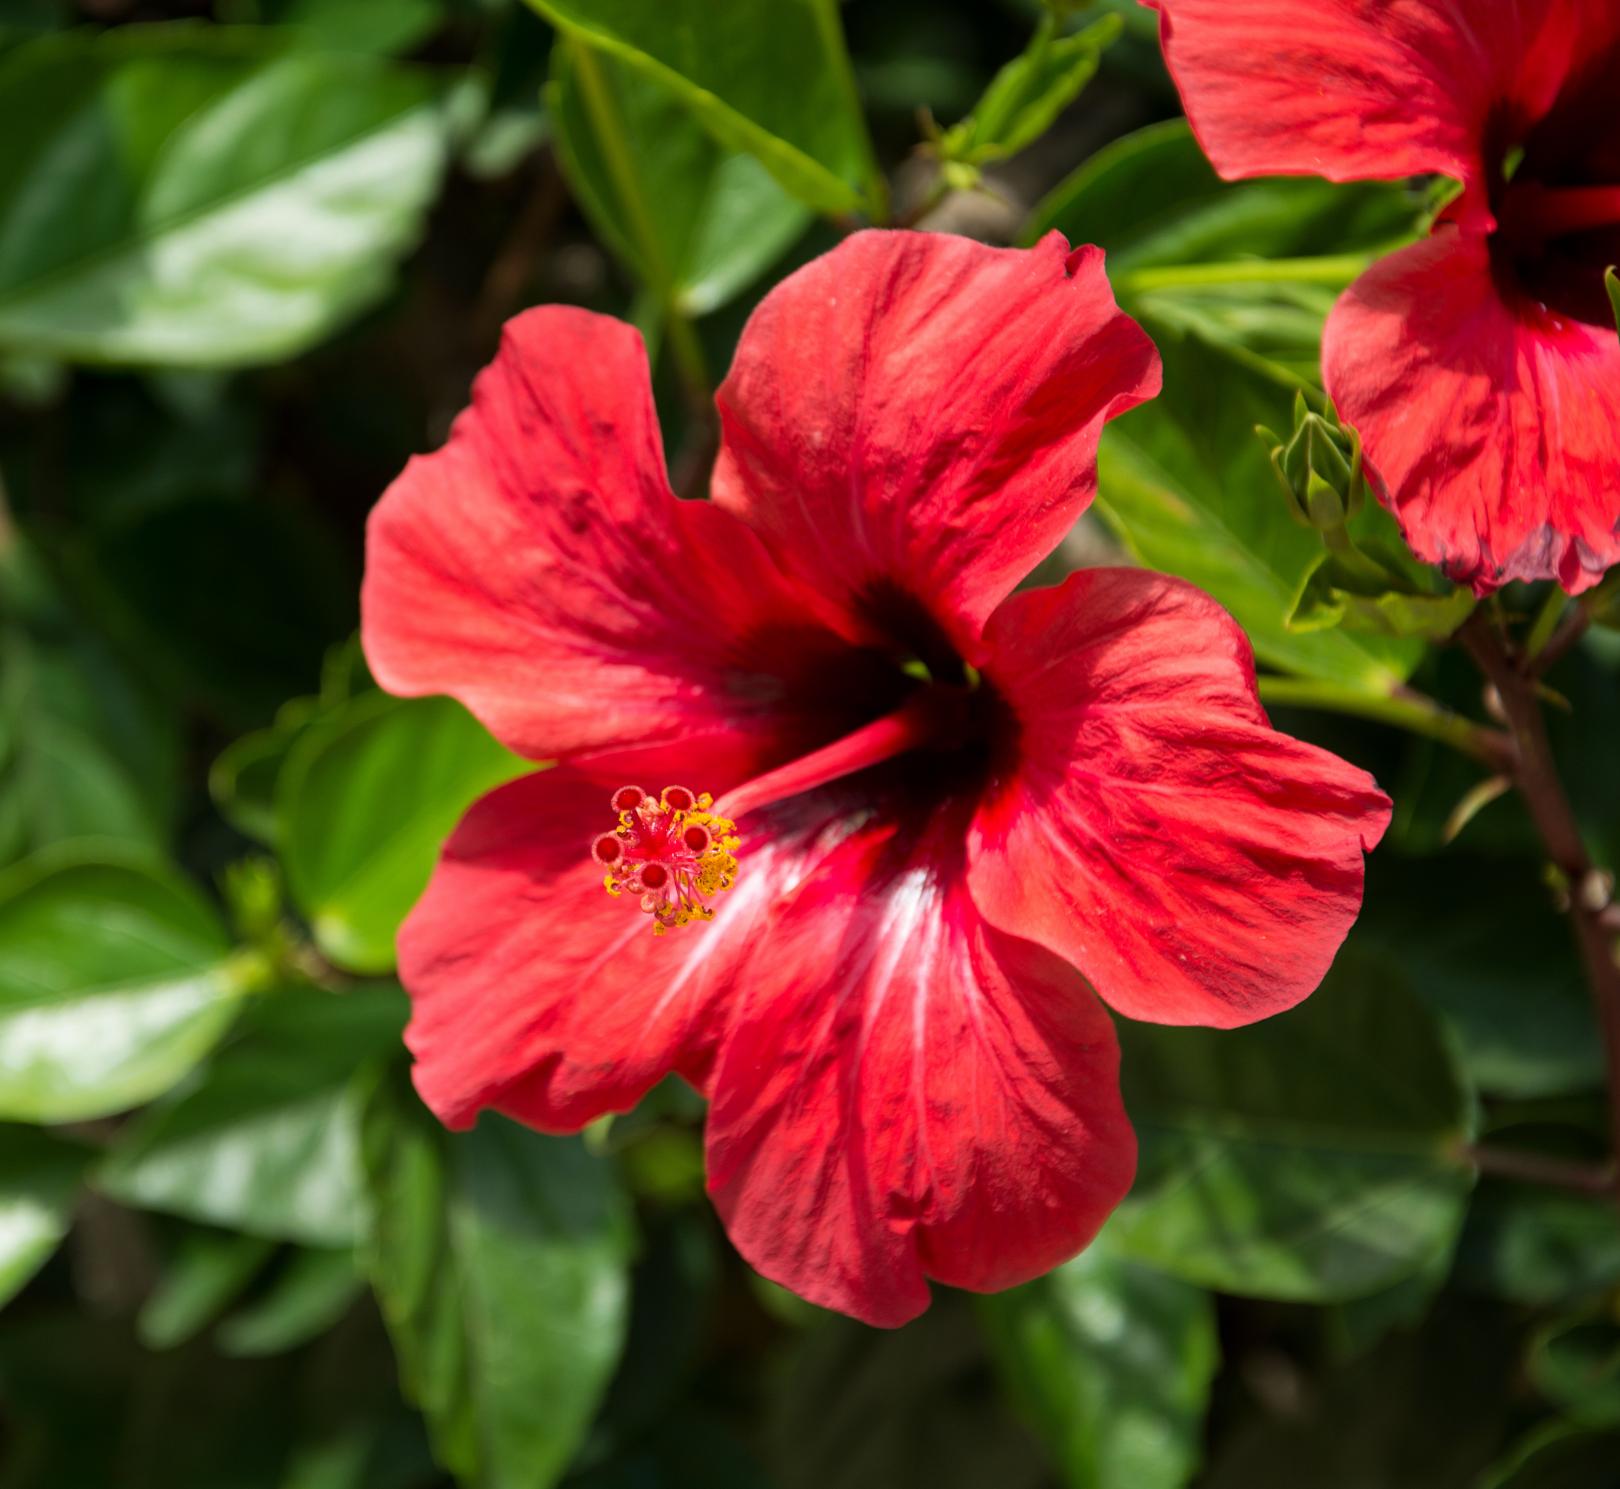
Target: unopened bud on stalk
x=1319 y=467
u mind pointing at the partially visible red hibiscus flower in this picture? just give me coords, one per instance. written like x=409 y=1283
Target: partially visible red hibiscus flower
x=1480 y=366
x=945 y=812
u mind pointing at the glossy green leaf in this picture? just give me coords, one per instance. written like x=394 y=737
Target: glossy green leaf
x=768 y=77
x=311 y=1293
x=1026 y=96
x=1611 y=282
x=1575 y=1363
x=208 y=1270
x=116 y=978
x=364 y=803
x=1309 y=1157
x=39 y=1180
x=267 y=1140
x=1188 y=488
x=84 y=751
x=693 y=221
x=203 y=197
x=499 y=1258
x=1111 y=1362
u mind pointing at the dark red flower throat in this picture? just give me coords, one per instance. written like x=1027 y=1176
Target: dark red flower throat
x=920 y=732
x=1556 y=196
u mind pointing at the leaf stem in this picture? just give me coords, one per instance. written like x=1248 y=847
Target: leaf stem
x=1540 y=1168
x=1401 y=706
x=1535 y=772
x=1337 y=269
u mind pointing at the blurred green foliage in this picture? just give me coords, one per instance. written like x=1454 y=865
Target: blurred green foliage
x=250 y=255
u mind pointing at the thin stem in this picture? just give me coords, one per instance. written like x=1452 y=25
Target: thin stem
x=1337 y=270
x=1536 y=774
x=1539 y=1168
x=1403 y=707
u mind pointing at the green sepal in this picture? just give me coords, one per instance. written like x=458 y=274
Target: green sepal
x=1334 y=595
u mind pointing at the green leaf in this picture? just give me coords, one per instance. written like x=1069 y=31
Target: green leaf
x=1111 y=1362
x=1233 y=282
x=1611 y=282
x=314 y=1290
x=197 y=196
x=83 y=750
x=209 y=1269
x=242 y=780
x=365 y=801
x=1472 y=932
x=499 y=1257
x=693 y=221
x=39 y=1181
x=267 y=1140
x=1153 y=199
x=115 y=980
x=907 y=1408
x=344 y=25
x=1027 y=94
x=1539 y=1246
x=1189 y=490
x=1331 y=596
x=1575 y=1363
x=768 y=77
x=1556 y=1458
x=1310 y=1157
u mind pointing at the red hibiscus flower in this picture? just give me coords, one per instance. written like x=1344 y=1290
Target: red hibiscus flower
x=941 y=813
x=1480 y=366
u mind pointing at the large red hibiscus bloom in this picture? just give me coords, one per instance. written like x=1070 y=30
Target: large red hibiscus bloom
x=945 y=813
x=1481 y=366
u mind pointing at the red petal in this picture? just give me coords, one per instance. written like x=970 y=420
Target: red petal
x=1194 y=864
x=539 y=569
x=535 y=991
x=1347 y=89
x=1495 y=426
x=907 y=1092
x=916 y=412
